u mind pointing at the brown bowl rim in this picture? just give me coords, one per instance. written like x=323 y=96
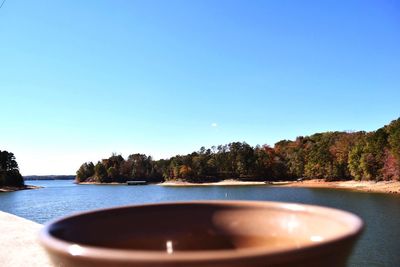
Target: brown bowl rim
x=58 y=246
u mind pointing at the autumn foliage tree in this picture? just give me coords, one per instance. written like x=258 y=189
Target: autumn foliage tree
x=9 y=171
x=391 y=168
x=331 y=156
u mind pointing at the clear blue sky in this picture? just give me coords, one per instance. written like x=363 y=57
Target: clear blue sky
x=82 y=79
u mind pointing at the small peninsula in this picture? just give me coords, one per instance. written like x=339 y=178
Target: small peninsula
x=10 y=178
x=362 y=157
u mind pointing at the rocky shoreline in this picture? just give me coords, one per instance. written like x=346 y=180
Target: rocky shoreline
x=220 y=183
x=14 y=188
x=389 y=187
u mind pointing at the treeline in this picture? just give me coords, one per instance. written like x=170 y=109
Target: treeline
x=9 y=171
x=330 y=155
x=49 y=177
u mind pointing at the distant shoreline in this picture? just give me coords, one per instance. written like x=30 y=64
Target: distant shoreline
x=220 y=183
x=48 y=177
x=184 y=183
x=97 y=183
x=14 y=188
x=389 y=187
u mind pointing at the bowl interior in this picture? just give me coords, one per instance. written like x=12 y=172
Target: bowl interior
x=205 y=226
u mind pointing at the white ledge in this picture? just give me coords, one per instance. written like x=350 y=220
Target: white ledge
x=19 y=243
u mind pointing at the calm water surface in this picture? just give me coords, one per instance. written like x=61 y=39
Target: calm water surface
x=379 y=245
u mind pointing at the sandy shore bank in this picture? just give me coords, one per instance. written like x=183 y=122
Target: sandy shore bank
x=224 y=183
x=183 y=183
x=365 y=186
x=96 y=183
x=13 y=188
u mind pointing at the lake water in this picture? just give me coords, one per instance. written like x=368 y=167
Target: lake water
x=378 y=246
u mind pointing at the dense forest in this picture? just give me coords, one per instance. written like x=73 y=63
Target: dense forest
x=9 y=171
x=330 y=156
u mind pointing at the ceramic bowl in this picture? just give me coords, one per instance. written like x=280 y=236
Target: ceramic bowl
x=204 y=233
